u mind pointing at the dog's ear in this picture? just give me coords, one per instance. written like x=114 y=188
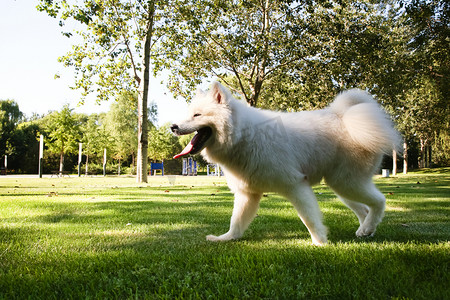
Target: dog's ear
x=218 y=93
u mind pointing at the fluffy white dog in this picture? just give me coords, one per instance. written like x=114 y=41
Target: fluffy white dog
x=266 y=151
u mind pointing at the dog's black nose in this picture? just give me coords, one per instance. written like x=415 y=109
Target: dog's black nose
x=174 y=128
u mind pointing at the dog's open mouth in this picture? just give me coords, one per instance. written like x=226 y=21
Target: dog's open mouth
x=197 y=143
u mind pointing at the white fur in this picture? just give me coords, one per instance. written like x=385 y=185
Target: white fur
x=266 y=151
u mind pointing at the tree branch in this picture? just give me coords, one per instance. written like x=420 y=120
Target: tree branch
x=240 y=83
x=230 y=86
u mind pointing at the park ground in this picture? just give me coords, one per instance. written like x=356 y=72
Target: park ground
x=112 y=238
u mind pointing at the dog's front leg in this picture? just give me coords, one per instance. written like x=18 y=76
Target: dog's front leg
x=244 y=211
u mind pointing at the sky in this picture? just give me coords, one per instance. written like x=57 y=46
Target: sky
x=30 y=44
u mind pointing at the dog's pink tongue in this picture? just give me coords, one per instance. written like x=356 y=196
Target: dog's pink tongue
x=185 y=151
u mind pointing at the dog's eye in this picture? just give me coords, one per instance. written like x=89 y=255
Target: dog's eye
x=197 y=115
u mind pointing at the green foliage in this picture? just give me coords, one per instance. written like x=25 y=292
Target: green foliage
x=95 y=138
x=251 y=40
x=424 y=109
x=10 y=116
x=162 y=143
x=26 y=157
x=121 y=122
x=441 y=147
x=420 y=100
x=115 y=131
x=429 y=26
x=111 y=238
x=114 y=57
x=356 y=50
x=111 y=168
x=64 y=133
x=283 y=54
x=107 y=61
x=297 y=55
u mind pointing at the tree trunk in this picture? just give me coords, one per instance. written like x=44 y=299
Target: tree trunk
x=118 y=170
x=405 y=157
x=422 y=154
x=256 y=91
x=429 y=156
x=61 y=163
x=394 y=163
x=261 y=69
x=87 y=165
x=142 y=155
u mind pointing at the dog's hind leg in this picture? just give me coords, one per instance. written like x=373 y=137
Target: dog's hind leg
x=244 y=211
x=361 y=210
x=305 y=202
x=361 y=195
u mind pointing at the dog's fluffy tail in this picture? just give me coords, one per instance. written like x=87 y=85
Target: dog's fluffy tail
x=366 y=122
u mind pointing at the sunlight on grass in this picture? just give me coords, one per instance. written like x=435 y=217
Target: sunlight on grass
x=113 y=238
x=396 y=208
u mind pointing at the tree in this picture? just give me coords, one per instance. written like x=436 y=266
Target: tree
x=17 y=138
x=64 y=133
x=429 y=23
x=10 y=116
x=95 y=137
x=121 y=124
x=301 y=49
x=26 y=141
x=418 y=85
x=430 y=30
x=250 y=40
x=116 y=34
x=163 y=144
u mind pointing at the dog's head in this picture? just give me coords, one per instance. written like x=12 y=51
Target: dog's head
x=209 y=114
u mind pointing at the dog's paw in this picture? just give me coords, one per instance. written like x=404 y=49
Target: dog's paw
x=365 y=232
x=319 y=242
x=222 y=238
x=212 y=238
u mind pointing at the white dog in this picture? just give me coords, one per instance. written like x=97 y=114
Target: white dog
x=266 y=151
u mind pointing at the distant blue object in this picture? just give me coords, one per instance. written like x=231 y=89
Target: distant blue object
x=157 y=166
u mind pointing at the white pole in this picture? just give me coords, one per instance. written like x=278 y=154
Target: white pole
x=80 y=154
x=80 y=151
x=41 y=147
x=394 y=163
x=41 y=155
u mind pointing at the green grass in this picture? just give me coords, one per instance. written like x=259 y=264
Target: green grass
x=111 y=238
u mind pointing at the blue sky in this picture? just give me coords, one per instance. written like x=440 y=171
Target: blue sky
x=30 y=44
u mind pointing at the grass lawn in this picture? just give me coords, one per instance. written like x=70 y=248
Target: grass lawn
x=111 y=238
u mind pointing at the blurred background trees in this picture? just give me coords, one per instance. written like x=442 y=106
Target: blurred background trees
x=284 y=55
